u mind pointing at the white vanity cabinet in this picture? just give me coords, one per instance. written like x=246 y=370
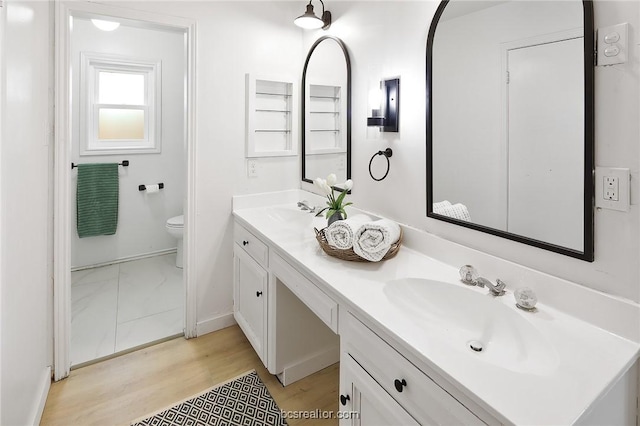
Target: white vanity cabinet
x=251 y=280
x=375 y=376
x=397 y=369
x=290 y=322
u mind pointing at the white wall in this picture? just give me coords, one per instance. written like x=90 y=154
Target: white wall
x=25 y=260
x=389 y=38
x=233 y=38
x=142 y=217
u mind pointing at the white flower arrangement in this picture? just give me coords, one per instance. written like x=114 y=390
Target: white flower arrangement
x=334 y=204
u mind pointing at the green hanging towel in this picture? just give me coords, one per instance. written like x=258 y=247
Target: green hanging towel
x=97 y=199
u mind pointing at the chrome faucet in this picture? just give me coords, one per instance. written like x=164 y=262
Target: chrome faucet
x=496 y=290
x=304 y=206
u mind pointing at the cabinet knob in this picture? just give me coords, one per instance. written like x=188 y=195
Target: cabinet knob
x=258 y=293
x=400 y=384
x=344 y=399
x=245 y=242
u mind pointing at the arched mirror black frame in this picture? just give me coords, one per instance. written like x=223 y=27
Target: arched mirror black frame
x=303 y=106
x=588 y=253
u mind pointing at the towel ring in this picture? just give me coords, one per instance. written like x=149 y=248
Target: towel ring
x=387 y=153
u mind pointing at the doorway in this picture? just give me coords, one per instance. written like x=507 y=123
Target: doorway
x=120 y=102
x=546 y=83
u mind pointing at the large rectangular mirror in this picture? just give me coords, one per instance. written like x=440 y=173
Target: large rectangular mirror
x=510 y=121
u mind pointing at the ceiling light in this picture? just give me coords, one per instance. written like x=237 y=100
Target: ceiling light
x=105 y=25
x=310 y=21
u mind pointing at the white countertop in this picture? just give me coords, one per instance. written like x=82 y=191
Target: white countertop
x=585 y=361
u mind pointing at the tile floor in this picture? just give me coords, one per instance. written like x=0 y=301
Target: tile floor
x=118 y=307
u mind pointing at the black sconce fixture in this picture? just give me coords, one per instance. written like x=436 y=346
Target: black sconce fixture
x=310 y=21
x=387 y=116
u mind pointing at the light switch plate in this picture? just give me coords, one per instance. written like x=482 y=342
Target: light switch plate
x=613 y=44
x=612 y=183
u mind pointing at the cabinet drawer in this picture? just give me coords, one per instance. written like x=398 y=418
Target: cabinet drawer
x=418 y=394
x=251 y=244
x=322 y=305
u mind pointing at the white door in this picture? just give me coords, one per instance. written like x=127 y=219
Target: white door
x=546 y=142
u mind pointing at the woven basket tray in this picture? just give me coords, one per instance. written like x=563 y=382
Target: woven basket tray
x=349 y=254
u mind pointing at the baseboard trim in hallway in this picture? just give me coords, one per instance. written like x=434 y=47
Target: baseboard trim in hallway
x=126 y=259
x=45 y=385
x=214 y=324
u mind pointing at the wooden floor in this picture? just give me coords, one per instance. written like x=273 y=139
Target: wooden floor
x=119 y=390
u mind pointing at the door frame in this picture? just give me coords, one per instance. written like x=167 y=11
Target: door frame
x=64 y=11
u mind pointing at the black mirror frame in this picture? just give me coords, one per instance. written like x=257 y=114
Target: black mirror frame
x=588 y=232
x=303 y=106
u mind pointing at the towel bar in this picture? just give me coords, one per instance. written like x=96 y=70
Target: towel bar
x=125 y=163
x=144 y=187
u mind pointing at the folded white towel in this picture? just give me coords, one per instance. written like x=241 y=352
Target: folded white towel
x=456 y=211
x=373 y=240
x=340 y=234
x=438 y=207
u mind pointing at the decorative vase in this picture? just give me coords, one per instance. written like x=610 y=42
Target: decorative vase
x=334 y=217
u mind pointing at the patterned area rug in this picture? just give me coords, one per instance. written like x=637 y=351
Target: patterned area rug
x=244 y=400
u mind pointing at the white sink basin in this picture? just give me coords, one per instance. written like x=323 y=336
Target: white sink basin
x=459 y=317
x=288 y=215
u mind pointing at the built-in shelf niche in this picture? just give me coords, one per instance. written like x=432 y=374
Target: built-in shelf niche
x=272 y=105
x=325 y=120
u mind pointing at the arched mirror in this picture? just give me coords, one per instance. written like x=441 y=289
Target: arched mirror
x=510 y=121
x=326 y=111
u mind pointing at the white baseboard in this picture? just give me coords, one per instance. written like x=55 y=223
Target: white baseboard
x=215 y=324
x=38 y=408
x=300 y=370
x=126 y=259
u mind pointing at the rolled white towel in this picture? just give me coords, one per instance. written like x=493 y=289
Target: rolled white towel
x=373 y=240
x=438 y=207
x=456 y=211
x=340 y=234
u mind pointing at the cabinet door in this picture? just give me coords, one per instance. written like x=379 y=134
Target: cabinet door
x=366 y=403
x=250 y=300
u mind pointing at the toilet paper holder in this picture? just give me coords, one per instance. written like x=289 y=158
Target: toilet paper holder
x=144 y=187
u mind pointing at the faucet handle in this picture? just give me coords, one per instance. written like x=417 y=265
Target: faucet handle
x=525 y=298
x=469 y=275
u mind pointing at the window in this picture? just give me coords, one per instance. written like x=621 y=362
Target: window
x=120 y=100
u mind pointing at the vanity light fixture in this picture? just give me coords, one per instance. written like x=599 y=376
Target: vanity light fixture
x=310 y=21
x=105 y=25
x=387 y=115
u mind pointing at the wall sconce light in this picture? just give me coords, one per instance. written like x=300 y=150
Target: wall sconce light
x=310 y=21
x=387 y=115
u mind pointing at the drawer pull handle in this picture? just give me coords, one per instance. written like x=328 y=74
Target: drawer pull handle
x=344 y=399
x=400 y=384
x=258 y=293
x=245 y=242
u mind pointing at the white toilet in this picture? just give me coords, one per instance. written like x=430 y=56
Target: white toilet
x=175 y=227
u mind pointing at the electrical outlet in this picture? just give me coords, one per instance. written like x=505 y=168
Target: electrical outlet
x=252 y=168
x=613 y=188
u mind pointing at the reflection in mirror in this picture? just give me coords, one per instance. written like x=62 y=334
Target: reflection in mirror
x=326 y=111
x=510 y=135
